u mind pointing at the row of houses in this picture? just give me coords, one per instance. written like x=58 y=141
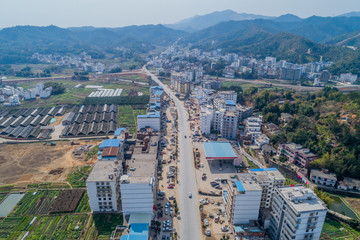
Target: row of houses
x=325 y=178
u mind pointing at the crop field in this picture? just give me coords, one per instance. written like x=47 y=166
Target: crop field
x=2 y=196
x=67 y=201
x=77 y=178
x=127 y=116
x=77 y=95
x=334 y=230
x=83 y=206
x=35 y=203
x=106 y=223
x=53 y=227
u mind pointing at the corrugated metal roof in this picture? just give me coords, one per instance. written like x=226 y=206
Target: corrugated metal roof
x=218 y=150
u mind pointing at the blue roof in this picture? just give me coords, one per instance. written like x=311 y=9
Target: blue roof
x=158 y=93
x=118 y=131
x=218 y=150
x=263 y=169
x=239 y=186
x=110 y=143
x=150 y=115
x=229 y=102
x=236 y=228
x=138 y=231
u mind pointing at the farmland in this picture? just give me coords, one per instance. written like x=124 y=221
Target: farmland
x=67 y=201
x=127 y=116
x=77 y=177
x=335 y=230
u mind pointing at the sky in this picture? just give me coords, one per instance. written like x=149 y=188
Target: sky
x=118 y=13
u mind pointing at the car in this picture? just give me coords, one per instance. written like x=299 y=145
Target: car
x=206 y=222
x=217 y=219
x=220 y=169
x=170 y=186
x=185 y=136
x=163 y=237
x=190 y=195
x=171 y=210
x=161 y=193
x=225 y=229
x=166 y=211
x=208 y=232
x=172 y=198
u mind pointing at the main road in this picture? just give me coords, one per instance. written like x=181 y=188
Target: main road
x=190 y=228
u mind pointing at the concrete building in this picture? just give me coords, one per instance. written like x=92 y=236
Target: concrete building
x=228 y=95
x=292 y=74
x=45 y=93
x=297 y=213
x=253 y=126
x=103 y=186
x=139 y=185
x=323 y=178
x=150 y=120
x=217 y=120
x=205 y=121
x=229 y=125
x=296 y=154
x=14 y=100
x=350 y=184
x=242 y=199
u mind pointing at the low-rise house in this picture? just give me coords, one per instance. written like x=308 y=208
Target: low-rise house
x=323 y=178
x=272 y=129
x=350 y=184
x=286 y=117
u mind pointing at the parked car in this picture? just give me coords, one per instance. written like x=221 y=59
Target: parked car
x=208 y=232
x=190 y=195
x=170 y=186
x=206 y=222
x=217 y=219
x=225 y=229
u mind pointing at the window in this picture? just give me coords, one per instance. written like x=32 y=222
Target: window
x=99 y=199
x=104 y=198
x=110 y=199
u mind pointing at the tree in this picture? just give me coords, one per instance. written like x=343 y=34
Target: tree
x=116 y=70
x=56 y=87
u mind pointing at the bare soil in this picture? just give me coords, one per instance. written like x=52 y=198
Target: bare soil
x=36 y=162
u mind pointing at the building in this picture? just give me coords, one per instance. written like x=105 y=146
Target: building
x=150 y=120
x=296 y=154
x=228 y=95
x=221 y=152
x=229 y=125
x=325 y=76
x=253 y=126
x=272 y=129
x=217 y=120
x=348 y=77
x=245 y=232
x=350 y=184
x=110 y=154
x=139 y=185
x=323 y=178
x=268 y=179
x=45 y=93
x=244 y=111
x=291 y=74
x=103 y=186
x=14 y=100
x=242 y=199
x=297 y=213
x=286 y=117
x=205 y=121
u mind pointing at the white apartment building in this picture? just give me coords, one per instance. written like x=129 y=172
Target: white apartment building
x=217 y=120
x=228 y=105
x=150 y=120
x=253 y=126
x=205 y=121
x=14 y=100
x=29 y=94
x=229 y=125
x=297 y=214
x=103 y=186
x=228 y=95
x=138 y=187
x=242 y=199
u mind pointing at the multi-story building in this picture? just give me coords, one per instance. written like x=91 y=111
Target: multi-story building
x=228 y=95
x=253 y=126
x=323 y=178
x=103 y=186
x=229 y=125
x=205 y=121
x=268 y=179
x=242 y=199
x=217 y=120
x=138 y=186
x=45 y=93
x=296 y=154
x=297 y=213
x=290 y=73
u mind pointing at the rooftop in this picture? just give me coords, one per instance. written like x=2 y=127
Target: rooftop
x=266 y=174
x=150 y=115
x=330 y=176
x=229 y=102
x=218 y=150
x=110 y=151
x=103 y=171
x=110 y=143
x=246 y=183
x=299 y=148
x=301 y=199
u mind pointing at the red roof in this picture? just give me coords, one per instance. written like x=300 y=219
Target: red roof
x=110 y=151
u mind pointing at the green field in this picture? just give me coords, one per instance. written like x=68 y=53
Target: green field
x=245 y=86
x=127 y=116
x=335 y=230
x=77 y=177
x=77 y=95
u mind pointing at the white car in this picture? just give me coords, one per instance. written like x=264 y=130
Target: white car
x=190 y=195
x=206 y=222
x=208 y=232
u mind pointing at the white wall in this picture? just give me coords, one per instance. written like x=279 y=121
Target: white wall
x=151 y=122
x=246 y=207
x=137 y=198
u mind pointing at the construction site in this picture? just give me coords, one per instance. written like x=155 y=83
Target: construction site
x=25 y=163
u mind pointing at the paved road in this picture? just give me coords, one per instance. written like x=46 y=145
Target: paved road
x=189 y=210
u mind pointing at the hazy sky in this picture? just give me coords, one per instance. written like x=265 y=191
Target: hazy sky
x=116 y=13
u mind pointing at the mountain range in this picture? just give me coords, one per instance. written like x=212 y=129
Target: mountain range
x=287 y=37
